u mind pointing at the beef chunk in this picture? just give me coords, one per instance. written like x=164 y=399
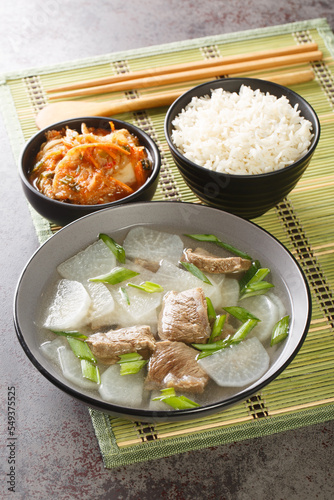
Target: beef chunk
x=173 y=364
x=108 y=346
x=209 y=263
x=184 y=317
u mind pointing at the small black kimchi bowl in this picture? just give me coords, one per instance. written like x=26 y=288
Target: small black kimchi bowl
x=62 y=213
x=247 y=196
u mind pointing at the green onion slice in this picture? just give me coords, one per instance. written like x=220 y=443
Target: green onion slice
x=196 y=272
x=90 y=371
x=240 y=313
x=243 y=331
x=125 y=295
x=148 y=287
x=131 y=363
x=280 y=331
x=256 y=289
x=169 y=397
x=211 y=310
x=238 y=336
x=81 y=349
x=217 y=327
x=117 y=275
x=255 y=265
x=212 y=238
x=116 y=249
x=255 y=285
x=76 y=335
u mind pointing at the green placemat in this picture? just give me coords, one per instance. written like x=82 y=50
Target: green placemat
x=304 y=222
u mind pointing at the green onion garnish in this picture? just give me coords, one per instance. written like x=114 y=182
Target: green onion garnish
x=238 y=336
x=243 y=331
x=76 y=335
x=217 y=327
x=116 y=249
x=240 y=313
x=212 y=238
x=131 y=363
x=148 y=287
x=256 y=285
x=117 y=275
x=280 y=331
x=81 y=349
x=255 y=265
x=256 y=289
x=196 y=272
x=211 y=310
x=169 y=397
x=90 y=371
x=125 y=295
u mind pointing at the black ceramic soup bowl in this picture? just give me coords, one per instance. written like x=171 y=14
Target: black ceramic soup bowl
x=62 y=213
x=175 y=218
x=248 y=196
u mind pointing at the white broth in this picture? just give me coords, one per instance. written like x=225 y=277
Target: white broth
x=153 y=256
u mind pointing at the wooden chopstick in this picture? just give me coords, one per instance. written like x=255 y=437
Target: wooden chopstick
x=73 y=109
x=174 y=68
x=166 y=98
x=193 y=75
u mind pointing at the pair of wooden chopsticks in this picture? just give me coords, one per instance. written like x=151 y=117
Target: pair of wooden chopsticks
x=189 y=72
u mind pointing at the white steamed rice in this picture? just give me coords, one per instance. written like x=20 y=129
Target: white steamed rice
x=246 y=133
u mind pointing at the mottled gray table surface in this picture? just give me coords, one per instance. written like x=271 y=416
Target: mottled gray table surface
x=57 y=454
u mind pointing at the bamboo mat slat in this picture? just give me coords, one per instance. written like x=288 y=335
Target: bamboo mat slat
x=304 y=223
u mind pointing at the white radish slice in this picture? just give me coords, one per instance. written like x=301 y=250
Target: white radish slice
x=125 y=390
x=144 y=243
x=278 y=302
x=141 y=308
x=172 y=277
x=71 y=368
x=230 y=292
x=238 y=365
x=102 y=305
x=266 y=310
x=97 y=259
x=69 y=306
x=50 y=348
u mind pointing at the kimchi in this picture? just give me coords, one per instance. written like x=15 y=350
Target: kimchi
x=91 y=167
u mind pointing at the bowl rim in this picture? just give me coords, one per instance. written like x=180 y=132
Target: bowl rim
x=159 y=415
x=75 y=206
x=285 y=91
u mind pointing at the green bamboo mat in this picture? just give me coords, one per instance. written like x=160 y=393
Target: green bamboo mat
x=304 y=222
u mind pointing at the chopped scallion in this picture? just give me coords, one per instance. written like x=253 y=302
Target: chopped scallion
x=212 y=238
x=169 y=397
x=81 y=349
x=280 y=331
x=148 y=287
x=243 y=331
x=217 y=327
x=76 y=335
x=116 y=249
x=196 y=272
x=256 y=289
x=255 y=285
x=211 y=310
x=255 y=265
x=240 y=313
x=131 y=363
x=117 y=275
x=90 y=371
x=238 y=336
x=125 y=295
